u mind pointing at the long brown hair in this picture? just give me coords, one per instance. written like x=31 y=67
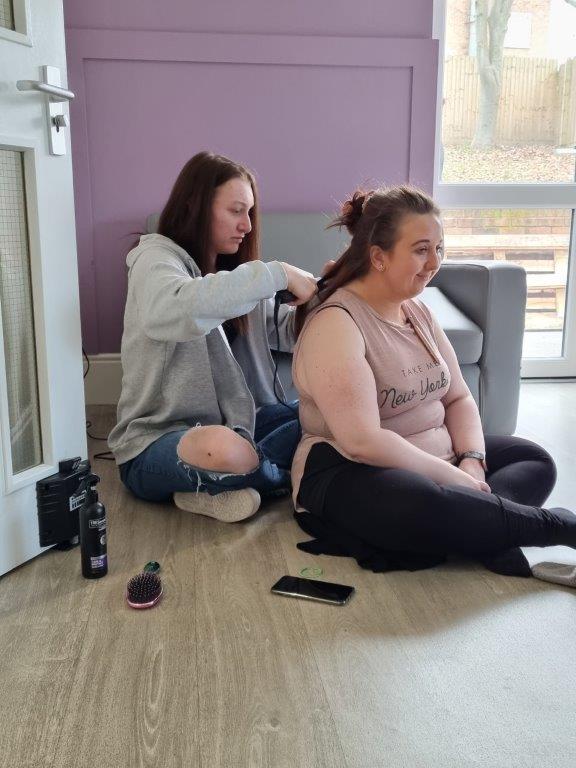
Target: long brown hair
x=187 y=216
x=372 y=218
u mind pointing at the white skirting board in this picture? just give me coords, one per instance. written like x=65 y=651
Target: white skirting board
x=103 y=383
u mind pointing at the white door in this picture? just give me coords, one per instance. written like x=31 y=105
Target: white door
x=42 y=418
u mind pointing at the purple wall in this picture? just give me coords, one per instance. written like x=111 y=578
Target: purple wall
x=312 y=98
x=372 y=18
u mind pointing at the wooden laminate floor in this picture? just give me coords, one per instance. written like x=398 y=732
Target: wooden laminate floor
x=450 y=667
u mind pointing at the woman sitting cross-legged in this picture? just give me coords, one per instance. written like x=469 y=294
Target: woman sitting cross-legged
x=393 y=456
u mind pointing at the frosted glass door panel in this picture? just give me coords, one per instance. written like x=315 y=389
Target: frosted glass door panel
x=6 y=14
x=17 y=316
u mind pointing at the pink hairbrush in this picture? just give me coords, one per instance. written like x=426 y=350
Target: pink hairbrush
x=144 y=590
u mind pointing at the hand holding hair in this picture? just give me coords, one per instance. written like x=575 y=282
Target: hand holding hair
x=301 y=284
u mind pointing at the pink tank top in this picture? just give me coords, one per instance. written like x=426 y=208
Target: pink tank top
x=411 y=380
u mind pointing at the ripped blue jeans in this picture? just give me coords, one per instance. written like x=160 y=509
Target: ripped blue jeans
x=158 y=472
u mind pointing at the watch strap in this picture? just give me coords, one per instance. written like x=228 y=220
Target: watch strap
x=472 y=455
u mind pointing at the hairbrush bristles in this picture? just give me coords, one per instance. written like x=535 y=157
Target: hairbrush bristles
x=144 y=590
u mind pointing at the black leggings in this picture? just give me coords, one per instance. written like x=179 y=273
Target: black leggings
x=400 y=510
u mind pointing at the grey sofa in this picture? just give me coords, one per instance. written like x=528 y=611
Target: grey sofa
x=480 y=305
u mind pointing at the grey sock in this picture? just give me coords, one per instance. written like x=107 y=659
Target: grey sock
x=556 y=573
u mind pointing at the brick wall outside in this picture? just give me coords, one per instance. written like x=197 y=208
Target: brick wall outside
x=458 y=27
x=524 y=222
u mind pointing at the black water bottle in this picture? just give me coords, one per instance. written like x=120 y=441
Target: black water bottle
x=93 y=532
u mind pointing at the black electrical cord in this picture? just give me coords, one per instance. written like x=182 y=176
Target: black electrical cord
x=85 y=356
x=277 y=302
x=92 y=437
x=283 y=297
x=103 y=455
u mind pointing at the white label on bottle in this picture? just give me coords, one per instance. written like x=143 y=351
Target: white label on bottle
x=98 y=562
x=100 y=523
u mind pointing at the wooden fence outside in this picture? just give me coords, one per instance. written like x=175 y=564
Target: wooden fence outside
x=537 y=101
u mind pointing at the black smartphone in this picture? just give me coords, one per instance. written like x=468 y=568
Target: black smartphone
x=312 y=589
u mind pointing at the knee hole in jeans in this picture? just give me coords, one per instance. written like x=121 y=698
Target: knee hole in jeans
x=217 y=448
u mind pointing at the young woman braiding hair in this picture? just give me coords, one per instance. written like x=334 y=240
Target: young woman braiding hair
x=197 y=418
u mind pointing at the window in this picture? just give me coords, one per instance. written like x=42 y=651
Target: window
x=519 y=32
x=506 y=155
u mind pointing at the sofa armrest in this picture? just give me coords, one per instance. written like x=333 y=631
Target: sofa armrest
x=493 y=295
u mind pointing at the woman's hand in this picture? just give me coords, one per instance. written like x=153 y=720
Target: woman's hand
x=301 y=283
x=469 y=476
x=474 y=468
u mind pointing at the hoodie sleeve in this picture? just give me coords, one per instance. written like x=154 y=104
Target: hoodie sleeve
x=174 y=306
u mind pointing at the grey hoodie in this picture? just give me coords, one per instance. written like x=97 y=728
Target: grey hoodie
x=177 y=367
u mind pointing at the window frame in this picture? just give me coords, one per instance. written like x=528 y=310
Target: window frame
x=22 y=33
x=537 y=195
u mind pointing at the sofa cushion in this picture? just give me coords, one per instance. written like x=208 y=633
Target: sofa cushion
x=465 y=336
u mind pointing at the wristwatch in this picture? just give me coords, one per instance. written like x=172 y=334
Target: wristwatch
x=472 y=455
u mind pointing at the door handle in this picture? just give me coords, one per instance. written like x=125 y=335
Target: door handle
x=54 y=92
x=54 y=96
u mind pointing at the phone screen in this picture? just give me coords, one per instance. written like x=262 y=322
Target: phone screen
x=312 y=589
